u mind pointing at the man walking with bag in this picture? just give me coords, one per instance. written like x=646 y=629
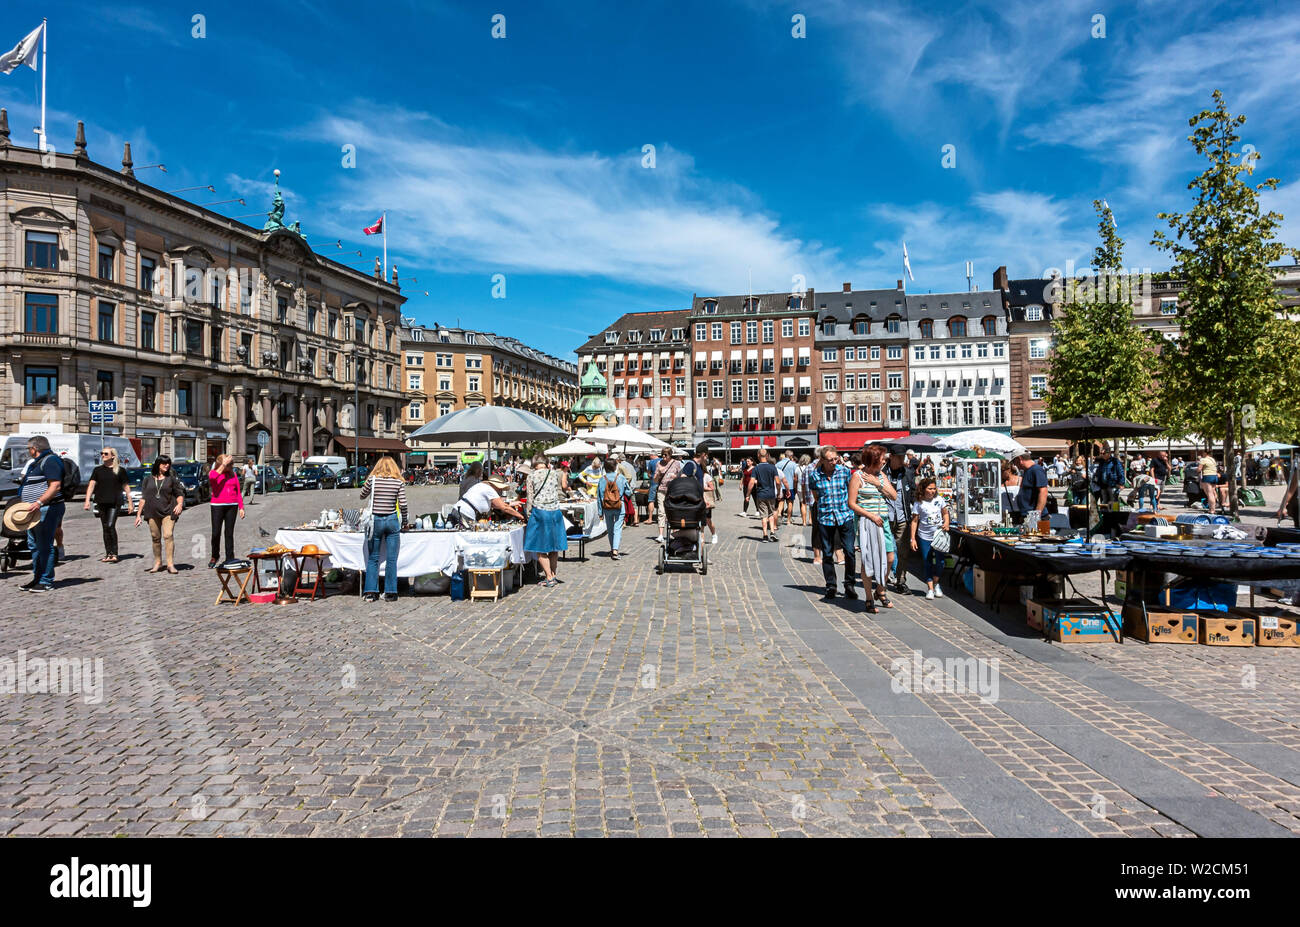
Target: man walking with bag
x=829 y=484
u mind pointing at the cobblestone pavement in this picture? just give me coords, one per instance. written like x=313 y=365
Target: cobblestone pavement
x=619 y=703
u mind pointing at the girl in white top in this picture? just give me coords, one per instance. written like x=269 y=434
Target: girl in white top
x=929 y=514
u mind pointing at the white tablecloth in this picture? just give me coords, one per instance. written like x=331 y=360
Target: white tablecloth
x=421 y=551
x=593 y=520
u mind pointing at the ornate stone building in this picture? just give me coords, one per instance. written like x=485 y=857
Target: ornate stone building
x=594 y=408
x=208 y=332
x=446 y=369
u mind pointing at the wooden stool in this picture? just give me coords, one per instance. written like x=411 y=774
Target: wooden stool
x=278 y=560
x=494 y=579
x=316 y=588
x=242 y=575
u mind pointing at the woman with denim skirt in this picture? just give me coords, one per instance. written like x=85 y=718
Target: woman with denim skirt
x=389 y=490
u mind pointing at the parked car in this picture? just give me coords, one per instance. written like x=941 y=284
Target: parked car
x=135 y=478
x=269 y=479
x=353 y=478
x=194 y=477
x=314 y=477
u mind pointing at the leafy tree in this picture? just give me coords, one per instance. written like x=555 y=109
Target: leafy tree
x=1101 y=364
x=1278 y=417
x=1222 y=248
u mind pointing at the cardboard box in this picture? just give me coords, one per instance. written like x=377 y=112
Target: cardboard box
x=1219 y=629
x=1161 y=626
x=1034 y=612
x=986 y=581
x=1080 y=621
x=1277 y=627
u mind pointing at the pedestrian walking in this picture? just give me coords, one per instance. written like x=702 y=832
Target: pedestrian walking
x=1208 y=469
x=162 y=497
x=628 y=472
x=225 y=502
x=250 y=480
x=387 y=491
x=789 y=471
x=669 y=469
x=806 y=466
x=613 y=491
x=1291 y=498
x=745 y=474
x=930 y=515
x=829 y=484
x=41 y=491
x=903 y=477
x=545 y=534
x=765 y=486
x=107 y=488
x=870 y=493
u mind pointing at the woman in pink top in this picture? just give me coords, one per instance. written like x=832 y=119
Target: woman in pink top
x=226 y=495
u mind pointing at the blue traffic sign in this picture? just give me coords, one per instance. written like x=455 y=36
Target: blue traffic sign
x=103 y=405
x=100 y=418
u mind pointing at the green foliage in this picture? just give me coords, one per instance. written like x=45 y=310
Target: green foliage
x=1222 y=248
x=1101 y=364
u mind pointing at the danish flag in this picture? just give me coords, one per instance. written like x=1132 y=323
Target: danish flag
x=376 y=228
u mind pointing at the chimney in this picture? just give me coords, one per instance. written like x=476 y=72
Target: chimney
x=1000 y=281
x=900 y=284
x=848 y=288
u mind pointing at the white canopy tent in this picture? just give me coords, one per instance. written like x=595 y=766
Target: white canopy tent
x=576 y=447
x=625 y=438
x=979 y=437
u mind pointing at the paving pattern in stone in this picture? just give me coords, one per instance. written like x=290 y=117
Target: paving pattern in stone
x=619 y=703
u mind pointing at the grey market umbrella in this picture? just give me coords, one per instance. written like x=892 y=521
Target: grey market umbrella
x=488 y=423
x=1089 y=427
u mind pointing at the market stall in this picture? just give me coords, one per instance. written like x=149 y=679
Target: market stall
x=422 y=552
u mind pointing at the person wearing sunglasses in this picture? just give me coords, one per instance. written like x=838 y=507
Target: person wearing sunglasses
x=162 y=498
x=108 y=485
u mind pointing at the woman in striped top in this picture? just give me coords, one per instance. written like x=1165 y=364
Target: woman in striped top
x=869 y=495
x=389 y=489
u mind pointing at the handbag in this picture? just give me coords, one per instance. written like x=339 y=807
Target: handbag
x=942 y=542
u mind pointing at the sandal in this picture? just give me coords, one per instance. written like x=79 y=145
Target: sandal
x=883 y=598
x=548 y=583
x=156 y=569
x=172 y=570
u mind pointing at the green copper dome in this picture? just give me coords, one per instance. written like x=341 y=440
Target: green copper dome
x=594 y=408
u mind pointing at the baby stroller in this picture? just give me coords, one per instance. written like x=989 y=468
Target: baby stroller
x=15 y=549
x=685 y=512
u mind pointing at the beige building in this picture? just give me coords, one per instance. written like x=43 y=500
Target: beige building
x=213 y=336
x=447 y=369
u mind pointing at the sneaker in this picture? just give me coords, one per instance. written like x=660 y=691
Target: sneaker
x=660 y=539
x=929 y=593
x=371 y=597
x=850 y=592
x=41 y=587
x=938 y=591
x=390 y=596
x=28 y=586
x=830 y=592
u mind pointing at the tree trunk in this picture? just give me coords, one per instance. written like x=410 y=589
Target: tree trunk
x=1228 y=469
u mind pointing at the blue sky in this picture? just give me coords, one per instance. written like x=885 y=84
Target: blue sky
x=775 y=156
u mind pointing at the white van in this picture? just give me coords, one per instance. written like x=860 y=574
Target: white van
x=82 y=448
x=336 y=464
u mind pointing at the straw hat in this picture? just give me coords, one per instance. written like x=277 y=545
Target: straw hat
x=497 y=483
x=311 y=550
x=18 y=517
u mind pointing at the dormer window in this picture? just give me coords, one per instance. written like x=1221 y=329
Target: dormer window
x=1033 y=313
x=656 y=335
x=828 y=326
x=633 y=337
x=751 y=304
x=710 y=306
x=893 y=324
x=957 y=327
x=611 y=337
x=794 y=303
x=679 y=334
x=469 y=338
x=990 y=324
x=861 y=325
x=927 y=328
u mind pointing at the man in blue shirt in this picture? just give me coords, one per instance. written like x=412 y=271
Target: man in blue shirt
x=829 y=484
x=789 y=471
x=1108 y=478
x=765 y=486
x=1032 y=499
x=40 y=490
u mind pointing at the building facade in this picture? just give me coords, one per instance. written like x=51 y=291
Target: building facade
x=1031 y=306
x=860 y=391
x=644 y=357
x=960 y=363
x=754 y=369
x=212 y=336
x=446 y=369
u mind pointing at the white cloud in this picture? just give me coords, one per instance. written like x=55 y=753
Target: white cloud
x=464 y=203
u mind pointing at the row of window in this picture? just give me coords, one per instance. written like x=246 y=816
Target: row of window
x=721 y=421
x=893 y=380
x=42 y=388
x=967 y=383
x=749 y=331
x=666 y=388
x=958 y=414
x=862 y=415
x=656 y=336
x=892 y=352
x=958 y=327
x=967 y=351
x=751 y=304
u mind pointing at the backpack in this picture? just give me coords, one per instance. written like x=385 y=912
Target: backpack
x=71 y=481
x=611 y=500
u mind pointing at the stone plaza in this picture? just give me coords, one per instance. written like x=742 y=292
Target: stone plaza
x=619 y=703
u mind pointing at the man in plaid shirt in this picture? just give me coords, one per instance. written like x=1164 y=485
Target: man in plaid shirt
x=829 y=485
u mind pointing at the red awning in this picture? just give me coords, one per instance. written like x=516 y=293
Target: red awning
x=753 y=440
x=854 y=440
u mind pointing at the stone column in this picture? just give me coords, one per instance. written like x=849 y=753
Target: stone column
x=304 y=427
x=330 y=412
x=237 y=442
x=274 y=424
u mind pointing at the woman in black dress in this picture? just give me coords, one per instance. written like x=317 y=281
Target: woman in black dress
x=107 y=488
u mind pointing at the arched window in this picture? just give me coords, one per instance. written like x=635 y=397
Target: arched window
x=894 y=324
x=828 y=325
x=957 y=327
x=990 y=325
x=861 y=325
x=927 y=328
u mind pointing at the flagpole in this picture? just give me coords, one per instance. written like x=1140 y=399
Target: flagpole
x=385 y=218
x=45 y=31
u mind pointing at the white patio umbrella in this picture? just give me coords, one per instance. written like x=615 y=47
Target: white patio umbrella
x=488 y=423
x=989 y=440
x=625 y=437
x=575 y=447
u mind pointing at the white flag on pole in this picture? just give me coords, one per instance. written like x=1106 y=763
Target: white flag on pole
x=22 y=53
x=907 y=265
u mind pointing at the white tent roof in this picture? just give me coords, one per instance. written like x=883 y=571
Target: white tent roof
x=575 y=447
x=624 y=437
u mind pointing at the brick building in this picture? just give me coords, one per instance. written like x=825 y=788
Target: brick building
x=960 y=367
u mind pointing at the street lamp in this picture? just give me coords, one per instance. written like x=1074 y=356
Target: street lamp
x=202 y=186
x=220 y=202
